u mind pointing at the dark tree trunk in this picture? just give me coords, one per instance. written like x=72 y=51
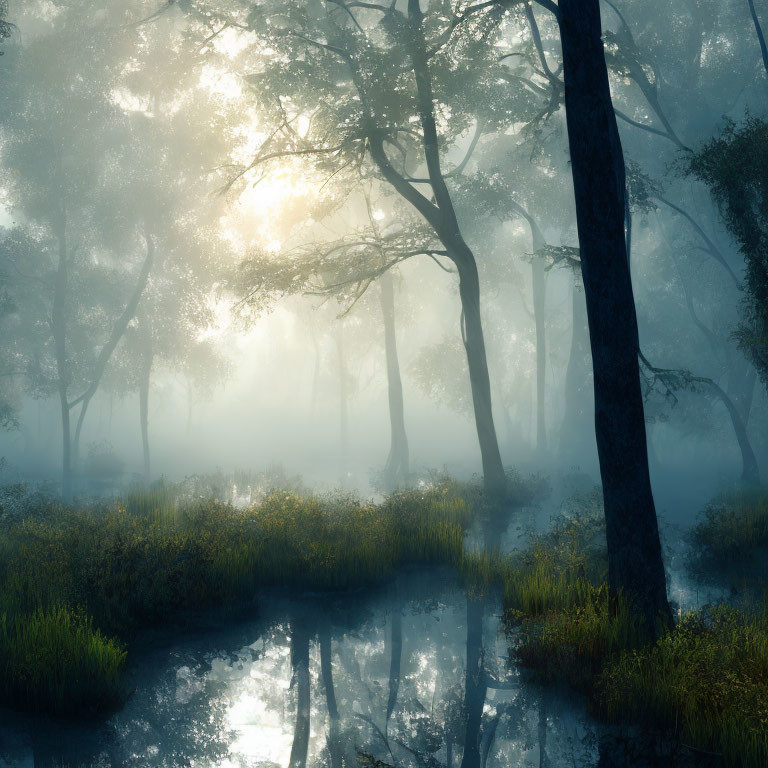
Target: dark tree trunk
x=59 y=330
x=145 y=373
x=475 y=686
x=300 y=664
x=397 y=468
x=635 y=565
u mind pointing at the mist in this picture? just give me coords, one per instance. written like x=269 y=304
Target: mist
x=504 y=257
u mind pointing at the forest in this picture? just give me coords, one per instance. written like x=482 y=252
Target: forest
x=383 y=383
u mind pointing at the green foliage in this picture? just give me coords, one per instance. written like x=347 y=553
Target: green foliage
x=54 y=660
x=732 y=539
x=707 y=680
x=735 y=168
x=154 y=560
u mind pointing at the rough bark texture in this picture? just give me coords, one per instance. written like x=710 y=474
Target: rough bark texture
x=635 y=565
x=398 y=462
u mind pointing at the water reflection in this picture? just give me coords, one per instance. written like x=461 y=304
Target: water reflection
x=413 y=677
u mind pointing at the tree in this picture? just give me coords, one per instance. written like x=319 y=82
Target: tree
x=734 y=166
x=376 y=85
x=634 y=549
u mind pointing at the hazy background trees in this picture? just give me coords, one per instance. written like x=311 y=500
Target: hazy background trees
x=229 y=159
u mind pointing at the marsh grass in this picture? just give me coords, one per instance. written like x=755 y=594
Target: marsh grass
x=731 y=541
x=155 y=560
x=707 y=681
x=54 y=659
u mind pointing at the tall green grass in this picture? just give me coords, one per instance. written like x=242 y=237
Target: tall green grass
x=707 y=681
x=153 y=559
x=53 y=659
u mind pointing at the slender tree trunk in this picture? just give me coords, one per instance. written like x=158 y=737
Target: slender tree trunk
x=760 y=35
x=477 y=362
x=742 y=377
x=343 y=404
x=475 y=686
x=441 y=216
x=106 y=351
x=145 y=374
x=84 y=405
x=300 y=664
x=750 y=473
x=397 y=468
x=539 y=277
x=59 y=330
x=539 y=282
x=635 y=565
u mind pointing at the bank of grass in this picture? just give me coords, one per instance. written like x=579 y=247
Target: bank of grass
x=76 y=585
x=705 y=682
x=731 y=541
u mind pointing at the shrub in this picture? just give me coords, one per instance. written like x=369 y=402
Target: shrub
x=732 y=539
x=707 y=681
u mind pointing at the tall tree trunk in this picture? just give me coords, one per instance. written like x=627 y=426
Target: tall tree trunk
x=59 y=330
x=343 y=404
x=477 y=363
x=145 y=374
x=441 y=216
x=397 y=468
x=84 y=405
x=750 y=473
x=118 y=331
x=539 y=277
x=635 y=565
x=300 y=664
x=475 y=685
x=539 y=282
